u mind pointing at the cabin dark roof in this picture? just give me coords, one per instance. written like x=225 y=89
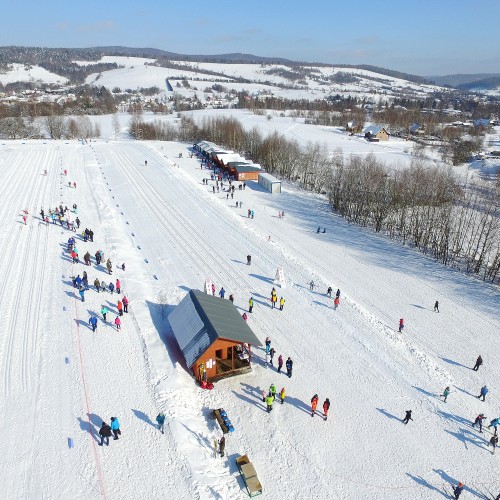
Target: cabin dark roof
x=200 y=319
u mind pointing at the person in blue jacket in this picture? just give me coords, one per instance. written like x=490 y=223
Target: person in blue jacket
x=115 y=427
x=111 y=287
x=93 y=323
x=82 y=293
x=161 y=421
x=222 y=292
x=484 y=391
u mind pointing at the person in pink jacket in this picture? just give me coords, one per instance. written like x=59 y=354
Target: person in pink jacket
x=125 y=304
x=118 y=323
x=118 y=286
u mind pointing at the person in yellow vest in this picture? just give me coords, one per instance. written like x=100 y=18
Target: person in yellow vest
x=274 y=299
x=282 y=395
x=250 y=304
x=282 y=303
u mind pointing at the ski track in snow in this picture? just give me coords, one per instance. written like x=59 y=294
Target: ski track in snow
x=174 y=233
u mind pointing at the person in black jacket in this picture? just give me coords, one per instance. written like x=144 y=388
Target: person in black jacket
x=105 y=433
x=407 y=417
x=479 y=362
x=289 y=366
x=222 y=445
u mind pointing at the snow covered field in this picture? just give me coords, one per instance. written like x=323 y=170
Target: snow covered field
x=59 y=380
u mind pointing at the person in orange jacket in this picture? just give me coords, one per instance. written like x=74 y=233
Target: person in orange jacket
x=120 y=308
x=314 y=404
x=336 y=302
x=326 y=407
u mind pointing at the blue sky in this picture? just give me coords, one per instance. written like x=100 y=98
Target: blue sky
x=425 y=37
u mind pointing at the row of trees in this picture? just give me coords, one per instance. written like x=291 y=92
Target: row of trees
x=53 y=126
x=457 y=224
x=424 y=206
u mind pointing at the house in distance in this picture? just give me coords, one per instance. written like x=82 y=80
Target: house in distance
x=213 y=337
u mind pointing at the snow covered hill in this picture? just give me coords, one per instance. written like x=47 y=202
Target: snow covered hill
x=59 y=380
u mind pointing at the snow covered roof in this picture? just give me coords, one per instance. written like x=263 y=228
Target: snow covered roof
x=269 y=177
x=200 y=319
x=373 y=129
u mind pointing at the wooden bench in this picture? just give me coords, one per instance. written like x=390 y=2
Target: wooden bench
x=249 y=474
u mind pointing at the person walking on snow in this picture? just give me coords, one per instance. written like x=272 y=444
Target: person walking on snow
x=82 y=293
x=115 y=427
x=105 y=433
x=289 y=366
x=97 y=284
x=314 y=404
x=104 y=311
x=484 y=391
x=120 y=308
x=222 y=292
x=160 y=419
x=407 y=417
x=272 y=390
x=280 y=363
x=436 y=306
x=282 y=303
x=401 y=325
x=479 y=362
x=109 y=266
x=222 y=445
x=311 y=285
x=213 y=289
x=274 y=298
x=118 y=286
x=249 y=260
x=457 y=490
x=93 y=323
x=250 y=304
x=282 y=395
x=118 y=323
x=271 y=355
x=445 y=394
x=125 y=304
x=494 y=442
x=326 y=407
x=329 y=292
x=336 y=302
x=337 y=294
x=479 y=421
x=269 y=402
x=111 y=287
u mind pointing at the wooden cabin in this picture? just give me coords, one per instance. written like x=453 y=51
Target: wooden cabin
x=214 y=338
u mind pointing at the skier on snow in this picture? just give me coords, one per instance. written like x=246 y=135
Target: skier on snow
x=479 y=421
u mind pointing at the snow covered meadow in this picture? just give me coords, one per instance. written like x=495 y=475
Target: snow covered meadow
x=59 y=380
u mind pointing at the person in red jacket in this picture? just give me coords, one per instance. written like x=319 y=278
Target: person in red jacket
x=401 y=325
x=326 y=407
x=118 y=286
x=125 y=304
x=120 y=308
x=118 y=323
x=336 y=302
x=314 y=404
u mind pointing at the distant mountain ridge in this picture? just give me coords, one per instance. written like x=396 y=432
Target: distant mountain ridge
x=466 y=81
x=51 y=58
